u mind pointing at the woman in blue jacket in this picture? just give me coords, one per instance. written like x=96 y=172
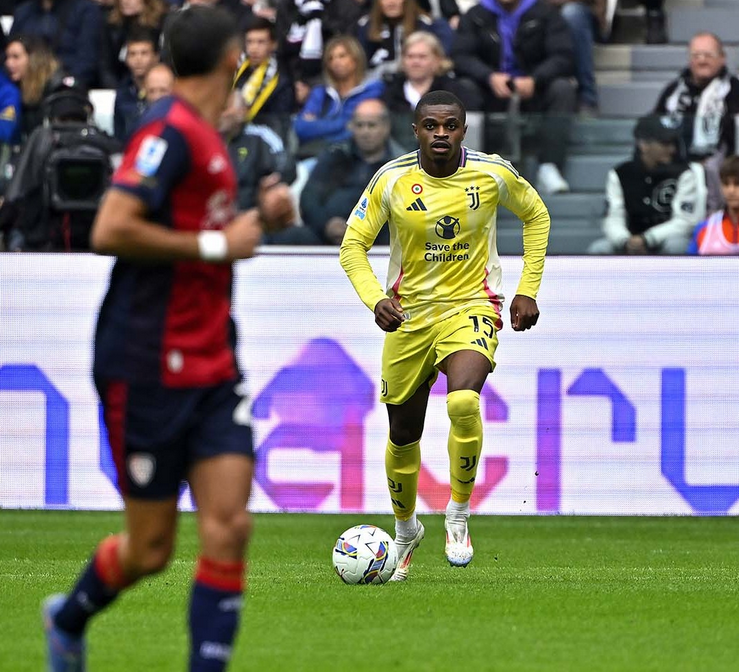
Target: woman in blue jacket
x=326 y=114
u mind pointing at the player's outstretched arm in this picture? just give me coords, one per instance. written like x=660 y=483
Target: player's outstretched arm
x=122 y=229
x=524 y=312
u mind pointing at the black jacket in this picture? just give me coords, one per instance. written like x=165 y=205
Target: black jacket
x=336 y=183
x=257 y=152
x=130 y=104
x=542 y=45
x=660 y=204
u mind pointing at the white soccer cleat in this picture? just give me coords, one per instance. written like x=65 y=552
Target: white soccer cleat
x=405 y=553
x=458 y=548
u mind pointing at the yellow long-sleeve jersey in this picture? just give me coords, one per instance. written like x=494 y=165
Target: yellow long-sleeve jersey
x=443 y=252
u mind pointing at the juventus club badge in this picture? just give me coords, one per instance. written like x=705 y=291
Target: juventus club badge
x=473 y=193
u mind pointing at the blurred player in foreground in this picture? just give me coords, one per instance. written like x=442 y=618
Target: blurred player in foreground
x=442 y=304
x=164 y=366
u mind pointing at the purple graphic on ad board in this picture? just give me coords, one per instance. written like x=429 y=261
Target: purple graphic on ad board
x=30 y=378
x=320 y=401
x=705 y=499
x=590 y=383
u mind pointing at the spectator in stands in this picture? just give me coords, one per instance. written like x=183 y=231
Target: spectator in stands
x=159 y=82
x=125 y=16
x=523 y=46
x=304 y=27
x=580 y=17
x=37 y=72
x=130 y=97
x=705 y=100
x=264 y=86
x=264 y=168
x=381 y=32
x=719 y=234
x=342 y=172
x=653 y=201
x=424 y=67
x=73 y=30
x=324 y=118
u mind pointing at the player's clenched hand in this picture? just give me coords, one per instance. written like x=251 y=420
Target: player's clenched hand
x=243 y=235
x=524 y=313
x=388 y=314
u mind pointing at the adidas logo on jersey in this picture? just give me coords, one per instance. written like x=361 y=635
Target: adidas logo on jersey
x=417 y=205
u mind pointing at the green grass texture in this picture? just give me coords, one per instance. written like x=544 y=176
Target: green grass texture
x=553 y=593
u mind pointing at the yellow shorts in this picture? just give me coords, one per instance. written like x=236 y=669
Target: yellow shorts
x=411 y=358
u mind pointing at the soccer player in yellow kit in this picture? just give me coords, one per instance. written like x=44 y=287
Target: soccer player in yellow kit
x=442 y=305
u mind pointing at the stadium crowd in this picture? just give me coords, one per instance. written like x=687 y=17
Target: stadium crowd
x=324 y=96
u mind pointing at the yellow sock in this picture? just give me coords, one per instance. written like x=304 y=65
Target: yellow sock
x=465 y=442
x=402 y=464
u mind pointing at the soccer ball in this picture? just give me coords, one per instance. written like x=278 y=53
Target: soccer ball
x=365 y=554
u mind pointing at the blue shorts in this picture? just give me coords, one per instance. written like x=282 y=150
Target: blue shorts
x=156 y=433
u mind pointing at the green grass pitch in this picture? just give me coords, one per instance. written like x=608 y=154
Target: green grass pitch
x=563 y=594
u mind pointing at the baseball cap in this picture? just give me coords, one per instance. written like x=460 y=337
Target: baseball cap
x=658 y=128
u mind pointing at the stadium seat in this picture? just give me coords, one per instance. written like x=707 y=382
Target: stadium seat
x=589 y=172
x=628 y=99
x=721 y=20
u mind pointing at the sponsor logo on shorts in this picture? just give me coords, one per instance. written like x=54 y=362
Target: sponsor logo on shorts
x=141 y=468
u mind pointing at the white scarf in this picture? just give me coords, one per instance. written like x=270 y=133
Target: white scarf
x=308 y=32
x=708 y=115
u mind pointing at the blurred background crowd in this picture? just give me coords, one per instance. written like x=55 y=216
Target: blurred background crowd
x=622 y=113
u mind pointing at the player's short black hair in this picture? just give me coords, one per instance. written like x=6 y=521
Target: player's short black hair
x=255 y=22
x=197 y=38
x=440 y=97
